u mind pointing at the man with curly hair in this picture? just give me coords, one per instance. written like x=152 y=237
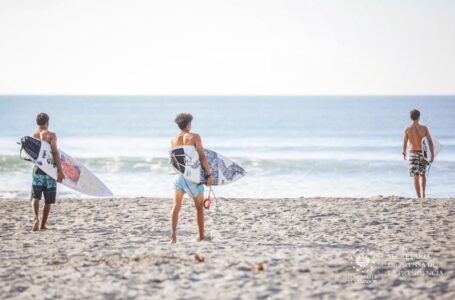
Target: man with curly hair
x=181 y=185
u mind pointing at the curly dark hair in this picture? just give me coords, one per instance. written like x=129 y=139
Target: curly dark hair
x=183 y=119
x=414 y=114
x=42 y=119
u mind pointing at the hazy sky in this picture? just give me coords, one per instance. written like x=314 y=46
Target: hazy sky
x=227 y=47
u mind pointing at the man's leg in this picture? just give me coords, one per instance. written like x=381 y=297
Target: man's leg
x=198 y=203
x=416 y=185
x=35 y=207
x=50 y=193
x=178 y=197
x=46 y=210
x=37 y=193
x=423 y=183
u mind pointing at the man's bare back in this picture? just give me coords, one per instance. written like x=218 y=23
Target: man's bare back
x=44 y=135
x=415 y=133
x=185 y=138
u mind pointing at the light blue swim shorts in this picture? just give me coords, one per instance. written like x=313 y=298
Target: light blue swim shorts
x=189 y=187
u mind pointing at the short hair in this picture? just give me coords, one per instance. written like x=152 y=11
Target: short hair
x=414 y=114
x=182 y=120
x=42 y=119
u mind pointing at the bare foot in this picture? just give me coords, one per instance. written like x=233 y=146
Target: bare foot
x=173 y=239
x=205 y=239
x=43 y=227
x=199 y=258
x=35 y=225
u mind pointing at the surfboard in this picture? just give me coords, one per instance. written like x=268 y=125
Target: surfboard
x=437 y=147
x=185 y=160
x=77 y=176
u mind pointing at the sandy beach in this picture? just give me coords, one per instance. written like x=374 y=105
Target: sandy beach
x=308 y=247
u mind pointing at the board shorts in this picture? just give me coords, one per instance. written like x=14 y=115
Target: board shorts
x=189 y=187
x=43 y=184
x=417 y=163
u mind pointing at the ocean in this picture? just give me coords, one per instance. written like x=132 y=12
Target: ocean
x=290 y=146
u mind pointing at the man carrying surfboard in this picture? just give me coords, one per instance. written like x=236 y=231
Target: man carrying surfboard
x=414 y=133
x=42 y=183
x=181 y=185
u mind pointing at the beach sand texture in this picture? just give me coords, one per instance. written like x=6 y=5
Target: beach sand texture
x=308 y=248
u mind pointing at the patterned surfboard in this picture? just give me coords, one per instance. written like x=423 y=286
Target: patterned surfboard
x=77 y=176
x=185 y=160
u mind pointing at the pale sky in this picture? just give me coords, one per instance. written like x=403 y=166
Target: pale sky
x=242 y=47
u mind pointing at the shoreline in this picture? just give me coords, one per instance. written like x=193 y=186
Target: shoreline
x=308 y=247
x=342 y=198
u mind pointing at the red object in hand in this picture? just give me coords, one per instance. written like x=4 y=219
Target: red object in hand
x=206 y=203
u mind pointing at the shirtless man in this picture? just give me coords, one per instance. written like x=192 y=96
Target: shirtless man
x=181 y=185
x=414 y=133
x=43 y=183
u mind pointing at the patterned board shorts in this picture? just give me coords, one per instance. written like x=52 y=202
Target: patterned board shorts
x=45 y=185
x=417 y=164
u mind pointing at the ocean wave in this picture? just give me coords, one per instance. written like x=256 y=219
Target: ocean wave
x=13 y=163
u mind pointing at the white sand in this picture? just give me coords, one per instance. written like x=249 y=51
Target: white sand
x=319 y=247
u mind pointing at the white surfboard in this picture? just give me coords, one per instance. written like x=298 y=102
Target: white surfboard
x=185 y=160
x=437 y=147
x=77 y=176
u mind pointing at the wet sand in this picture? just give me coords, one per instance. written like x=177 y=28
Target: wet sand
x=308 y=248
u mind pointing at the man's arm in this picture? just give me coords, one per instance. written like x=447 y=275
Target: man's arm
x=405 y=142
x=56 y=156
x=430 y=140
x=203 y=158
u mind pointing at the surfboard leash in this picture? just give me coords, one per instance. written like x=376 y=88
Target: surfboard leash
x=216 y=199
x=20 y=154
x=428 y=170
x=207 y=203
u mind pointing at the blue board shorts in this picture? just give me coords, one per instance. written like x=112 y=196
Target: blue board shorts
x=189 y=187
x=43 y=184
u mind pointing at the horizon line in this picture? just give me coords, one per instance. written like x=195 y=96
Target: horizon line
x=227 y=95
